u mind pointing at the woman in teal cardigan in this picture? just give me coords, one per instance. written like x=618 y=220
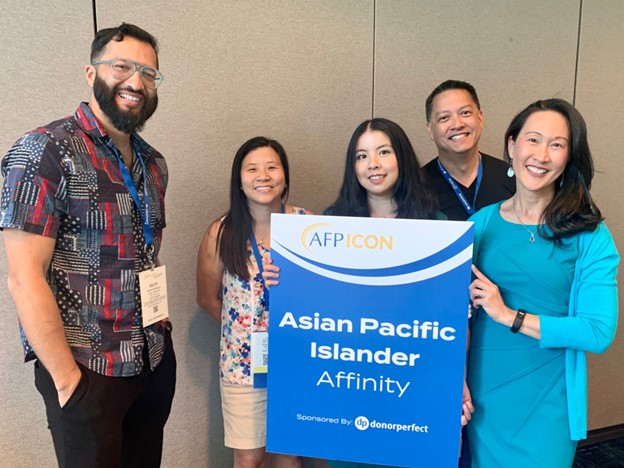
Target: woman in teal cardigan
x=545 y=293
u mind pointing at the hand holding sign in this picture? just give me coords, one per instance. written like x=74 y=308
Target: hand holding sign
x=270 y=272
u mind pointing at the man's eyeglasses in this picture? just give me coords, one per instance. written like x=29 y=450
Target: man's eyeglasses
x=122 y=69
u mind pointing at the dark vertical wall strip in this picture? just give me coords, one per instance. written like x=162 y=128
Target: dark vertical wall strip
x=374 y=57
x=93 y=7
x=578 y=48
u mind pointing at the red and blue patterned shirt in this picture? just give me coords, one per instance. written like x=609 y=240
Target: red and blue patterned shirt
x=63 y=181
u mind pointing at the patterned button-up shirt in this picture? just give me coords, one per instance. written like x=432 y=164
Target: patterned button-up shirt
x=64 y=181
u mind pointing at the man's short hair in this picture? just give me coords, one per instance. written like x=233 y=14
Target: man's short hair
x=446 y=86
x=104 y=36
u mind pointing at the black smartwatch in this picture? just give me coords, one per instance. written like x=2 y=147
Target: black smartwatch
x=517 y=323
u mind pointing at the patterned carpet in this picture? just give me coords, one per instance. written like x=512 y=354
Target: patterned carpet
x=608 y=454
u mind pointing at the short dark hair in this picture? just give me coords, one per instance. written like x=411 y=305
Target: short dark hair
x=572 y=209
x=104 y=36
x=447 y=86
x=412 y=194
x=237 y=224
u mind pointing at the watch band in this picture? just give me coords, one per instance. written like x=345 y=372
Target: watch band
x=517 y=323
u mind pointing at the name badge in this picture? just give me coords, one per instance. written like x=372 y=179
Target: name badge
x=153 y=284
x=259 y=358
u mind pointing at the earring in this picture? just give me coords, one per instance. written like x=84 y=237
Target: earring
x=510 y=171
x=561 y=181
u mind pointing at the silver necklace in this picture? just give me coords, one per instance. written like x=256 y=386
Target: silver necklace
x=532 y=234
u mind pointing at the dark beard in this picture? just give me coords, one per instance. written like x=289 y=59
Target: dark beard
x=126 y=122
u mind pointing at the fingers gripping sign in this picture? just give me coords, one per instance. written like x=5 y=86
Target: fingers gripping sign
x=467 y=406
x=485 y=294
x=270 y=272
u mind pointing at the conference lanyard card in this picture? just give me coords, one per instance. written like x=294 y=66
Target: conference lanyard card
x=153 y=284
x=259 y=358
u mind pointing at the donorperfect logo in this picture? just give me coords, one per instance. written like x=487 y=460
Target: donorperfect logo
x=361 y=423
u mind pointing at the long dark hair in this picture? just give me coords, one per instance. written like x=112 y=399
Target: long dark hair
x=413 y=197
x=572 y=209
x=237 y=223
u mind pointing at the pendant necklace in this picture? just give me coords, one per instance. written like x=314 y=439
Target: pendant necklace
x=261 y=240
x=532 y=234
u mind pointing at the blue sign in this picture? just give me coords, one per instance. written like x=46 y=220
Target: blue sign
x=367 y=339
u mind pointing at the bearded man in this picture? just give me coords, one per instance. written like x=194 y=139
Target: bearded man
x=82 y=212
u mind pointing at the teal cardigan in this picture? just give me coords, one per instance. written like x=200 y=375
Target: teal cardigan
x=592 y=313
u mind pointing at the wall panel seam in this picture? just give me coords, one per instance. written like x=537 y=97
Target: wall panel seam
x=374 y=58
x=94 y=9
x=578 y=50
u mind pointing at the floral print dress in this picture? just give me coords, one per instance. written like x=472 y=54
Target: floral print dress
x=242 y=313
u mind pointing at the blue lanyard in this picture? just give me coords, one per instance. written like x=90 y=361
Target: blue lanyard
x=256 y=252
x=144 y=208
x=470 y=209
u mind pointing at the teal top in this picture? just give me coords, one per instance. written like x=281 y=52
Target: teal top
x=583 y=271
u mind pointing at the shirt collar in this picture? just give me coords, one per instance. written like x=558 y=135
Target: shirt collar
x=93 y=127
x=89 y=122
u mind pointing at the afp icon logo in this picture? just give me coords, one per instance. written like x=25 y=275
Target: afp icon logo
x=361 y=423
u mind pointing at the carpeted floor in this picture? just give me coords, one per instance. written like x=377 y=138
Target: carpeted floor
x=608 y=454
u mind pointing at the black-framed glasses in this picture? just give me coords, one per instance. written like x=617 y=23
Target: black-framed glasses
x=122 y=69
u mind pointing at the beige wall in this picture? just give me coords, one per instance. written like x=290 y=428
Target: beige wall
x=305 y=73
x=599 y=97
x=513 y=55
